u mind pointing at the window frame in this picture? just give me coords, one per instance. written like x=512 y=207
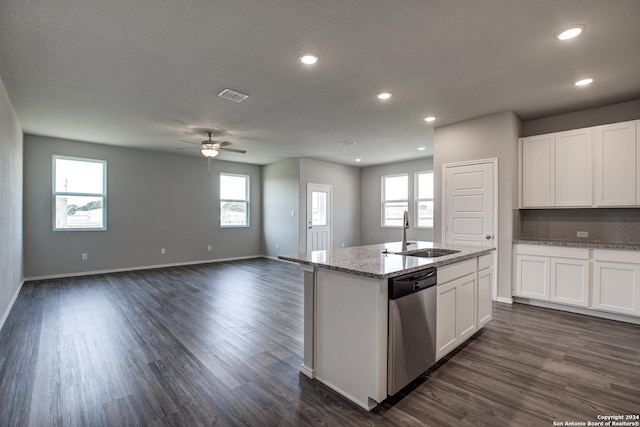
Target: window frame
x=56 y=193
x=417 y=199
x=384 y=201
x=247 y=200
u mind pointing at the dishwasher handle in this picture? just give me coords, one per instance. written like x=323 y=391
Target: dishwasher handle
x=405 y=285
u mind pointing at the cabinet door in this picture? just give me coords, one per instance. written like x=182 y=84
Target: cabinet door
x=637 y=162
x=533 y=276
x=456 y=318
x=484 y=296
x=446 y=330
x=573 y=154
x=466 y=302
x=614 y=158
x=616 y=287
x=569 y=281
x=537 y=171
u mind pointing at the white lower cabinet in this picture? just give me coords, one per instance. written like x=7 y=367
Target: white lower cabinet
x=485 y=280
x=456 y=299
x=564 y=275
x=570 y=281
x=533 y=276
x=616 y=282
x=553 y=274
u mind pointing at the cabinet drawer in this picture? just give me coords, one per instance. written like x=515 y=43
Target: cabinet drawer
x=616 y=256
x=454 y=271
x=485 y=261
x=552 y=251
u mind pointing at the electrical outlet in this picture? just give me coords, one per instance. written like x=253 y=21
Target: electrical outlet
x=343 y=244
x=583 y=234
x=293 y=213
x=162 y=251
x=209 y=248
x=277 y=245
x=84 y=256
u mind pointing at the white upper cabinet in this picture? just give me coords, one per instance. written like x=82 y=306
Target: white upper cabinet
x=614 y=150
x=590 y=167
x=538 y=171
x=573 y=168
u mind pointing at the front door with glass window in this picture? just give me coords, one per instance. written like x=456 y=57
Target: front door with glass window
x=318 y=217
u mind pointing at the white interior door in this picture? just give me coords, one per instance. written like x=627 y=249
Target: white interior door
x=469 y=193
x=318 y=217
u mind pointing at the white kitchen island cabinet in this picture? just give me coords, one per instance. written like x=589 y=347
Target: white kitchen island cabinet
x=346 y=314
x=456 y=305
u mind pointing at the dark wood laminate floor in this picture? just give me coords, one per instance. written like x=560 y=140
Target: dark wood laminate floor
x=221 y=344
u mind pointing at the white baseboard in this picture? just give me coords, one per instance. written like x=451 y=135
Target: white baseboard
x=505 y=300
x=580 y=310
x=135 y=268
x=5 y=315
x=311 y=373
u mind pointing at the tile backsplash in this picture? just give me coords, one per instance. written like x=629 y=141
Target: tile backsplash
x=603 y=225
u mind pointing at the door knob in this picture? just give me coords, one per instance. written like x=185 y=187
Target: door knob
x=488 y=237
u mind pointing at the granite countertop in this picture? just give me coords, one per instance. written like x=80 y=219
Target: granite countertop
x=574 y=244
x=372 y=261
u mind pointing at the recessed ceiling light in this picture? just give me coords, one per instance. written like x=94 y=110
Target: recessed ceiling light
x=384 y=95
x=584 y=82
x=422 y=148
x=570 y=32
x=308 y=58
x=429 y=119
x=358 y=159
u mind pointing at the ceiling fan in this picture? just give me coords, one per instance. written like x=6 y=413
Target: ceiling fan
x=210 y=148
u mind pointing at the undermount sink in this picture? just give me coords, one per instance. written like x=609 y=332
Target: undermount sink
x=428 y=253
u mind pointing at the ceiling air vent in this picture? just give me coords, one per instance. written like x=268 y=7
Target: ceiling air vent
x=232 y=95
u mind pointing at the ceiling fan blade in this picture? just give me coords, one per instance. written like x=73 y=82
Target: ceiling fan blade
x=233 y=150
x=186 y=148
x=223 y=143
x=189 y=142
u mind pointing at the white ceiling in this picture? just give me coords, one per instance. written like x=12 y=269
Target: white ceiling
x=146 y=73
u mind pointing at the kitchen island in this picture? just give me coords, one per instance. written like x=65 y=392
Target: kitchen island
x=346 y=309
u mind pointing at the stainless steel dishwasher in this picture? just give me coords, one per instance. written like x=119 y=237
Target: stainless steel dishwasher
x=412 y=327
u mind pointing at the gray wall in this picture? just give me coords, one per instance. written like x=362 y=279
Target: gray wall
x=280 y=195
x=154 y=200
x=11 y=182
x=371 y=230
x=582 y=119
x=346 y=202
x=494 y=136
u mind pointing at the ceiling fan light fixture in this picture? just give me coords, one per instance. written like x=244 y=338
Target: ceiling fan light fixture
x=207 y=150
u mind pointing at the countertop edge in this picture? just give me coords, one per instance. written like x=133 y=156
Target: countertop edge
x=587 y=245
x=450 y=259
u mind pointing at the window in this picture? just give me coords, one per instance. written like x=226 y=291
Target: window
x=234 y=200
x=79 y=194
x=424 y=199
x=395 y=195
